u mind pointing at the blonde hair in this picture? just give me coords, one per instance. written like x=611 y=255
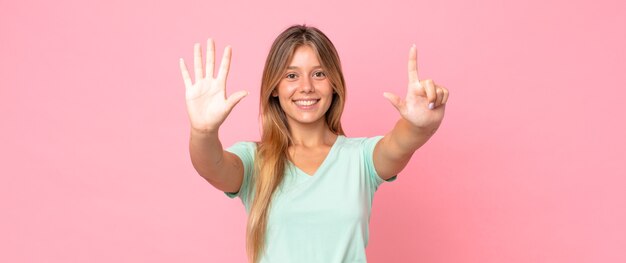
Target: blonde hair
x=272 y=152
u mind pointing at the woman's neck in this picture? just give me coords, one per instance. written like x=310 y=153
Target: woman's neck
x=312 y=135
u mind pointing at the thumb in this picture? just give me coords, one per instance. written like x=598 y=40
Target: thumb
x=394 y=99
x=234 y=98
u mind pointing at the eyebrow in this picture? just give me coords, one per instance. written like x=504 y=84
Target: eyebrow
x=294 y=67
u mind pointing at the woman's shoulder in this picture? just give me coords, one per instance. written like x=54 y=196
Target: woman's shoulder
x=358 y=141
x=243 y=146
x=246 y=143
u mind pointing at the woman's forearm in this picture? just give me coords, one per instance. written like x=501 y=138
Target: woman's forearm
x=405 y=139
x=206 y=153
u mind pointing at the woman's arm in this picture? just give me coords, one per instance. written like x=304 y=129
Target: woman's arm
x=208 y=107
x=422 y=112
x=220 y=168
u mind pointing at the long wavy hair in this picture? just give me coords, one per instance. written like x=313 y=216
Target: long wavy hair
x=272 y=152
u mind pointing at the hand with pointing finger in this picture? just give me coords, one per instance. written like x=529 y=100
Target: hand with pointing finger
x=207 y=104
x=425 y=101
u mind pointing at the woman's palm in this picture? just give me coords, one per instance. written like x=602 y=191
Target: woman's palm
x=207 y=104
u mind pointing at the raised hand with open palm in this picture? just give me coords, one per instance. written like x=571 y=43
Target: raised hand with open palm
x=207 y=103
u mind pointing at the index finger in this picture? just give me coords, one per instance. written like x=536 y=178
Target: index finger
x=413 y=78
x=225 y=64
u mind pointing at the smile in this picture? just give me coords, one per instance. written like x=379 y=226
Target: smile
x=305 y=103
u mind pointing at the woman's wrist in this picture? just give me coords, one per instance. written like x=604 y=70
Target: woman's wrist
x=204 y=132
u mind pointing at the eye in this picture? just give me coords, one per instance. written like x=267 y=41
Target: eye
x=291 y=75
x=319 y=74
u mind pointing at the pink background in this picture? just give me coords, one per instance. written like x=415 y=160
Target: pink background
x=528 y=166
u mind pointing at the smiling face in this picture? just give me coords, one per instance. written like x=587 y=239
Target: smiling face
x=304 y=92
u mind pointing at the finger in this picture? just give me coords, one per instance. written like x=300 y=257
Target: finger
x=234 y=98
x=197 y=61
x=446 y=93
x=210 y=58
x=183 y=70
x=394 y=99
x=225 y=64
x=439 y=101
x=431 y=94
x=413 y=78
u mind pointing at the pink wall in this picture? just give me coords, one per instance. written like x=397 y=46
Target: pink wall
x=529 y=165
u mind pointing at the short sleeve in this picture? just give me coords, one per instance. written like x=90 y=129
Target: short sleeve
x=245 y=151
x=368 y=151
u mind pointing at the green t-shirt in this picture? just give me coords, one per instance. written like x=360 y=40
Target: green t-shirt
x=323 y=217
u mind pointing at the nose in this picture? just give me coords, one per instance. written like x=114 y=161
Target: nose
x=307 y=85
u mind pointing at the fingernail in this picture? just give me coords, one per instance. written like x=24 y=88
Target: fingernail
x=431 y=105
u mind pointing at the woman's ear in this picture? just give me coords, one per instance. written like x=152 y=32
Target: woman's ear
x=274 y=93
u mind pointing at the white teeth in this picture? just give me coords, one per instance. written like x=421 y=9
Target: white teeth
x=305 y=102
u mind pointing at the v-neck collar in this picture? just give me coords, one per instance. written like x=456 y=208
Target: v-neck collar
x=324 y=163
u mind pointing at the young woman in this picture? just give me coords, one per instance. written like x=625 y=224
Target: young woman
x=307 y=188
